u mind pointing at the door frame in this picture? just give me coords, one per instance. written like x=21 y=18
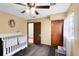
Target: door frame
x=28 y=32
x=62 y=30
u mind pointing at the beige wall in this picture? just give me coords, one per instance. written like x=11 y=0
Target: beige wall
x=58 y=16
x=45 y=30
x=46 y=26
x=75 y=46
x=20 y=24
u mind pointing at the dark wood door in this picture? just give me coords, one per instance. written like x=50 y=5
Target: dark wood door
x=57 y=33
x=37 y=33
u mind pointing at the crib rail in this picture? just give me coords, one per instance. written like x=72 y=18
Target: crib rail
x=13 y=44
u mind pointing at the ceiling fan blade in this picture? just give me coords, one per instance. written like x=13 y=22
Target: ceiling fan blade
x=52 y=3
x=23 y=11
x=43 y=7
x=20 y=4
x=36 y=12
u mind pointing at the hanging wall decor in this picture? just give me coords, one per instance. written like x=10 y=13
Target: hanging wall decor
x=11 y=23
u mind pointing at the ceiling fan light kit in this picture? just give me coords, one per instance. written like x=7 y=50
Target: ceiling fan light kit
x=27 y=10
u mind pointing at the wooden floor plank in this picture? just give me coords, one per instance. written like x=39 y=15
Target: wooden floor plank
x=36 y=50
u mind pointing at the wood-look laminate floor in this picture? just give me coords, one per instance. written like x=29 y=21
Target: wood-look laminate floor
x=36 y=50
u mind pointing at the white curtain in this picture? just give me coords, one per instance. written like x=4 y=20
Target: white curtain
x=68 y=33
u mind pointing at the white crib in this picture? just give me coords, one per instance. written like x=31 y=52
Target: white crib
x=13 y=43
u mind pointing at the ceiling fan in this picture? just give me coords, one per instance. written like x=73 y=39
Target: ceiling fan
x=33 y=7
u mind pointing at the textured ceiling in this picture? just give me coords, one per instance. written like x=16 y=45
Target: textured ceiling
x=15 y=9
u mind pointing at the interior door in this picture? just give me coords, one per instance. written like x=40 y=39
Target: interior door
x=37 y=33
x=57 y=33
